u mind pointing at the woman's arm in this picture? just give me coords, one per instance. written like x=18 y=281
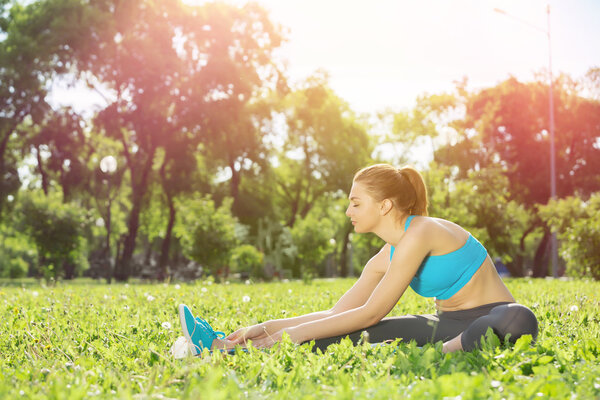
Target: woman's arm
x=406 y=261
x=356 y=296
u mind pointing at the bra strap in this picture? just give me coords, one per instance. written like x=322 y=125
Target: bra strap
x=408 y=220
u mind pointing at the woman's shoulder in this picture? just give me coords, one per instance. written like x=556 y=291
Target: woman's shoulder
x=425 y=223
x=437 y=231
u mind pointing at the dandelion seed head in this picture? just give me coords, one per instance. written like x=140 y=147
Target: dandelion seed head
x=574 y=308
x=178 y=286
x=246 y=299
x=204 y=290
x=150 y=297
x=166 y=325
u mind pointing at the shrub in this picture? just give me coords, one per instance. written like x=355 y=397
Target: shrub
x=16 y=253
x=207 y=233
x=577 y=225
x=312 y=237
x=57 y=229
x=248 y=259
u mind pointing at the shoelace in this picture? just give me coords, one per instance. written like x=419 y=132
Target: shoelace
x=211 y=331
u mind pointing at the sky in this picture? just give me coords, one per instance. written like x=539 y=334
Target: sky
x=384 y=53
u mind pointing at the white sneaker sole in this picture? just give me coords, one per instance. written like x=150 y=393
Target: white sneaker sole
x=193 y=348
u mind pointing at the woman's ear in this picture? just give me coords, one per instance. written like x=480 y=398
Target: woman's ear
x=386 y=206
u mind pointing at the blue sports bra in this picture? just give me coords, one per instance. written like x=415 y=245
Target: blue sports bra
x=444 y=275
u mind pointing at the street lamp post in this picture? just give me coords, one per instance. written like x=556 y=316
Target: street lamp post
x=108 y=165
x=553 y=243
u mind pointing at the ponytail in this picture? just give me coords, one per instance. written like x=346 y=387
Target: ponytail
x=405 y=187
x=419 y=203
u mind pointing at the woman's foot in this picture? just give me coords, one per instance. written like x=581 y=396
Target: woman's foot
x=452 y=345
x=197 y=332
x=200 y=334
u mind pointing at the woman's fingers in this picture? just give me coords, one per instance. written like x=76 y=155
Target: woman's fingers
x=234 y=335
x=242 y=334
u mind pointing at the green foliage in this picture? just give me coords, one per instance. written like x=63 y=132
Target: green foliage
x=247 y=258
x=57 y=229
x=481 y=203
x=313 y=239
x=276 y=242
x=329 y=142
x=577 y=225
x=207 y=233
x=16 y=253
x=82 y=340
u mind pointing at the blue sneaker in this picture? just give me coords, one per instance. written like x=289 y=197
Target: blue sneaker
x=210 y=330
x=217 y=335
x=196 y=333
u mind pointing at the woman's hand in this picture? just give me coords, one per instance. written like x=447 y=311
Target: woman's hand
x=253 y=333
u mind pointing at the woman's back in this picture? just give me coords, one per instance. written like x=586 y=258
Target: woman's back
x=458 y=271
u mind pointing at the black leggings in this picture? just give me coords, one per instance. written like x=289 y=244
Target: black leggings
x=504 y=318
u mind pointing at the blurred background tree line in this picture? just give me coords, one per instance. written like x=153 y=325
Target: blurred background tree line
x=214 y=164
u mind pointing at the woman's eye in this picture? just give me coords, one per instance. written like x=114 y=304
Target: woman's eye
x=356 y=205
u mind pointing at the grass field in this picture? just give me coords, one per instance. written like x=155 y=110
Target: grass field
x=87 y=340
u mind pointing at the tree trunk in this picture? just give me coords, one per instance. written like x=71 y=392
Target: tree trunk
x=344 y=252
x=164 y=253
x=295 y=204
x=540 y=261
x=3 y=147
x=123 y=267
x=235 y=183
x=516 y=267
x=69 y=269
x=42 y=171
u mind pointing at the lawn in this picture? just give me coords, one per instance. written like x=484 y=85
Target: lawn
x=88 y=340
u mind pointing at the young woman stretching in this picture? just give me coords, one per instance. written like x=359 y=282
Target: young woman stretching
x=435 y=257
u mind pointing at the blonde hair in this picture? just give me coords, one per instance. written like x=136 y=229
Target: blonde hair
x=404 y=186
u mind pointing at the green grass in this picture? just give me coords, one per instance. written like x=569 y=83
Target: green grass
x=88 y=340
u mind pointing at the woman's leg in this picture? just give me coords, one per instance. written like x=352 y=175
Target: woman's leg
x=514 y=319
x=421 y=328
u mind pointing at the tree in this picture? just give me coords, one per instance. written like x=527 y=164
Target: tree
x=61 y=136
x=329 y=145
x=506 y=125
x=176 y=73
x=37 y=42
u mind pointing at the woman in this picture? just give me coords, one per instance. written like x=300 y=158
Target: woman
x=437 y=258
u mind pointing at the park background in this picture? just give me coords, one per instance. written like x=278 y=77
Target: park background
x=171 y=141
x=201 y=142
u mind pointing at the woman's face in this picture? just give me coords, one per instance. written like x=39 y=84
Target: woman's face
x=363 y=210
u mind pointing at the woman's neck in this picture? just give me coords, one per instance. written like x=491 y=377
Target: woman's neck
x=391 y=228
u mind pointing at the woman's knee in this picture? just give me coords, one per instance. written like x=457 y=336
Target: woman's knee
x=514 y=320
